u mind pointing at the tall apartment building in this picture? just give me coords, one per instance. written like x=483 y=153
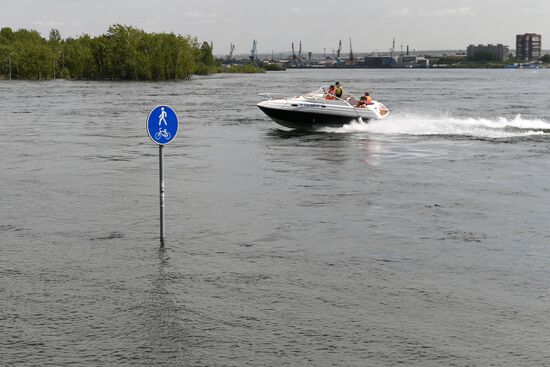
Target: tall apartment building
x=528 y=47
x=486 y=53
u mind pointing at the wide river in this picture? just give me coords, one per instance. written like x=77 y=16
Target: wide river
x=420 y=240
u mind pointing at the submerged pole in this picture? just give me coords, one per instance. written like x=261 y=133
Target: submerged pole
x=161 y=186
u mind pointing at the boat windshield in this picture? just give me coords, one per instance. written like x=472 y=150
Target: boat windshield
x=320 y=93
x=316 y=93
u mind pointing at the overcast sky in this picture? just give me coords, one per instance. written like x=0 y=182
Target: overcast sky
x=423 y=24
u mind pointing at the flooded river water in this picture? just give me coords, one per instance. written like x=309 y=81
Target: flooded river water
x=420 y=240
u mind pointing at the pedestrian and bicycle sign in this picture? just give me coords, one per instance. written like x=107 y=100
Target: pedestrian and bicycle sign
x=162 y=125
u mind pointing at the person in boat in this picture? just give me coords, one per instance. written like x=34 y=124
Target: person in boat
x=365 y=100
x=329 y=94
x=339 y=90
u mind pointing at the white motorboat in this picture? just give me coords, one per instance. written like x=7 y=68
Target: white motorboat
x=316 y=109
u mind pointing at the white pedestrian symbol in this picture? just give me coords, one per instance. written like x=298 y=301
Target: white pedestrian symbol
x=162 y=117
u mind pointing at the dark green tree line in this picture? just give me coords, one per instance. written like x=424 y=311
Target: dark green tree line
x=122 y=53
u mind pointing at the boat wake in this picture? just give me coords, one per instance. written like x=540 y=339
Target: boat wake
x=414 y=124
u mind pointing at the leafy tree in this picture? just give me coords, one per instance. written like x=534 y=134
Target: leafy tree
x=205 y=60
x=122 y=53
x=79 y=59
x=6 y=35
x=55 y=36
x=26 y=35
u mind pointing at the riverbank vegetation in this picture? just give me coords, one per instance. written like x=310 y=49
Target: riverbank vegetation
x=122 y=53
x=465 y=63
x=242 y=68
x=250 y=68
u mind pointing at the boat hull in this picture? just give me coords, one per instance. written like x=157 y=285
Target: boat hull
x=314 y=111
x=306 y=120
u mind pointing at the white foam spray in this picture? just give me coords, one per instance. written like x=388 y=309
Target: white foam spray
x=415 y=124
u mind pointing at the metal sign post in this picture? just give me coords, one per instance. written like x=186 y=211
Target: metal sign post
x=161 y=186
x=162 y=127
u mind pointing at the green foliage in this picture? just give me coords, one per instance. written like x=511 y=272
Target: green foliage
x=6 y=35
x=448 y=60
x=272 y=67
x=243 y=68
x=55 y=36
x=486 y=62
x=27 y=52
x=545 y=59
x=122 y=53
x=206 y=63
x=78 y=59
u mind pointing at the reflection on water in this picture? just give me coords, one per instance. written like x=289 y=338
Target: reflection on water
x=332 y=146
x=167 y=335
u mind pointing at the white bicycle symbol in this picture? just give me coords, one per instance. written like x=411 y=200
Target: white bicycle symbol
x=162 y=132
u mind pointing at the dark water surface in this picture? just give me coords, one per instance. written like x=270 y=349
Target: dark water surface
x=421 y=240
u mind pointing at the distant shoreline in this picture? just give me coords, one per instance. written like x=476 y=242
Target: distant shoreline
x=544 y=66
x=4 y=78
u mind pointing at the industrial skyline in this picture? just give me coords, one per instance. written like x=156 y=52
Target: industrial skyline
x=345 y=52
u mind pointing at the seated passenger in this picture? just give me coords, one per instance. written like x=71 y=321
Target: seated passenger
x=339 y=90
x=329 y=94
x=365 y=100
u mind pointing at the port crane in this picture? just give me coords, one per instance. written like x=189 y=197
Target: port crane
x=231 y=50
x=253 y=53
x=339 y=50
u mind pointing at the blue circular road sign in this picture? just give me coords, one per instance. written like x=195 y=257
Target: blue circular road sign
x=162 y=125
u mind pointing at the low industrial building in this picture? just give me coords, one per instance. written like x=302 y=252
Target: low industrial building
x=380 y=62
x=488 y=52
x=412 y=61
